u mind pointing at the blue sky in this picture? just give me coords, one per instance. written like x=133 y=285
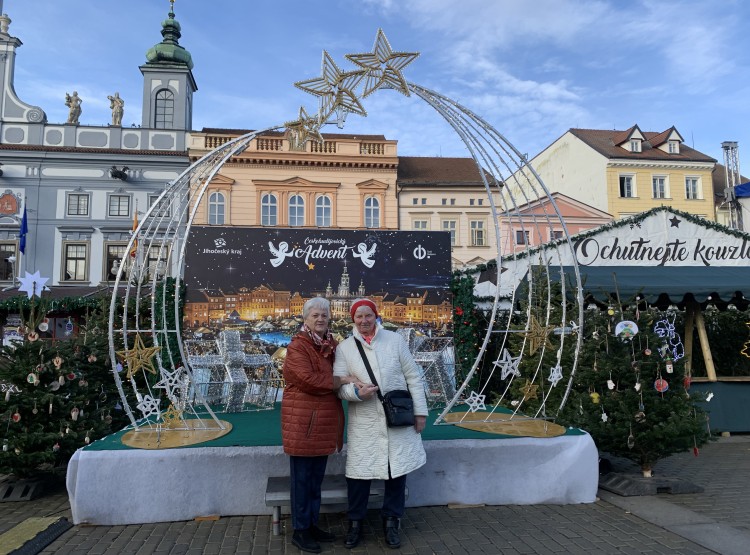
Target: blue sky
x=532 y=69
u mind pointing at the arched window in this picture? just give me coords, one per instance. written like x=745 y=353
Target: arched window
x=372 y=212
x=268 y=214
x=216 y=204
x=323 y=211
x=296 y=211
x=164 y=117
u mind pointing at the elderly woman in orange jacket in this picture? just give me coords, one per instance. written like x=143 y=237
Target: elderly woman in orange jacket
x=312 y=420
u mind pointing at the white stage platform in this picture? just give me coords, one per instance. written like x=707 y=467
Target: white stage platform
x=131 y=486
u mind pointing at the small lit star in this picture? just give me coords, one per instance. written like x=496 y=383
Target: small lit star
x=149 y=406
x=555 y=375
x=172 y=381
x=171 y=417
x=475 y=402
x=311 y=266
x=508 y=365
x=529 y=390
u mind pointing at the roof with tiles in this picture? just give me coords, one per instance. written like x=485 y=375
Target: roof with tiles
x=603 y=141
x=416 y=170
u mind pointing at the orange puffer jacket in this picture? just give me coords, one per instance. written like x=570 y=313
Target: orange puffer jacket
x=312 y=418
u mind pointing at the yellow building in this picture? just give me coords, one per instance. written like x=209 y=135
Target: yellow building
x=628 y=172
x=347 y=182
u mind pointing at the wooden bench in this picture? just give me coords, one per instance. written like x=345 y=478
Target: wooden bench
x=333 y=492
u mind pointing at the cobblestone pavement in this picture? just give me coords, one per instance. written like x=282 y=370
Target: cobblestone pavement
x=723 y=469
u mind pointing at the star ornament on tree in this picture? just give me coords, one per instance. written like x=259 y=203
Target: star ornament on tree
x=139 y=357
x=537 y=335
x=475 y=402
x=508 y=365
x=336 y=90
x=32 y=284
x=383 y=67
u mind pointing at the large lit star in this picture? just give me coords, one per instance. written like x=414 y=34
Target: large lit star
x=303 y=129
x=139 y=357
x=335 y=89
x=537 y=335
x=32 y=284
x=508 y=365
x=383 y=66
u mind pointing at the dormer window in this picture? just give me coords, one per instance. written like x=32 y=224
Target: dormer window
x=635 y=145
x=674 y=147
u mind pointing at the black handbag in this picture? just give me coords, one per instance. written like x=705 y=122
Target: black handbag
x=397 y=404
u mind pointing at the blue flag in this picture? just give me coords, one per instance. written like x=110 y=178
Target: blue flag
x=23 y=231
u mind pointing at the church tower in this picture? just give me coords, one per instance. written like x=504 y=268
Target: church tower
x=344 y=284
x=168 y=83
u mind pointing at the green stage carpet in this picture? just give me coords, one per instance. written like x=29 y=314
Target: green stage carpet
x=263 y=428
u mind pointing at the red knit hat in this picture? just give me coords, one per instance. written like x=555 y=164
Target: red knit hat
x=363 y=302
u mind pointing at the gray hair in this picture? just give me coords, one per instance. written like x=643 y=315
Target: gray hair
x=316 y=302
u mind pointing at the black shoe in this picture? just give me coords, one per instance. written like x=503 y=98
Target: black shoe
x=304 y=540
x=354 y=534
x=321 y=535
x=391 y=525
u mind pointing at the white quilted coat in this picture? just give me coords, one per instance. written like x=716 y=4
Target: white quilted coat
x=371 y=445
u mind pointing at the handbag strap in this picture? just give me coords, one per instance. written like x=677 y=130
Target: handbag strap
x=369 y=369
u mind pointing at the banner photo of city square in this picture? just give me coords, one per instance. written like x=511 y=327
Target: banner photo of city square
x=256 y=280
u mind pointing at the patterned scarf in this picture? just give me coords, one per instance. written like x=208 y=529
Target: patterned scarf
x=325 y=344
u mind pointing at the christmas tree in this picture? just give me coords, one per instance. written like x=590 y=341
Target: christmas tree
x=60 y=395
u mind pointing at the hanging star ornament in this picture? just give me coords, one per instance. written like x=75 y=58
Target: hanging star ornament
x=537 y=335
x=171 y=418
x=475 y=402
x=303 y=129
x=383 y=67
x=139 y=357
x=32 y=284
x=148 y=406
x=508 y=365
x=529 y=390
x=173 y=381
x=555 y=375
x=336 y=90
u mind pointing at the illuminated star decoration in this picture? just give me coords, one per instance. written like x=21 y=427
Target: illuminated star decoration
x=32 y=284
x=171 y=417
x=172 y=381
x=336 y=90
x=303 y=129
x=139 y=357
x=475 y=402
x=746 y=346
x=529 y=390
x=537 y=335
x=555 y=375
x=508 y=365
x=383 y=66
x=148 y=406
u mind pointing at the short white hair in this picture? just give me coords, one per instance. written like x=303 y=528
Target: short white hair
x=316 y=302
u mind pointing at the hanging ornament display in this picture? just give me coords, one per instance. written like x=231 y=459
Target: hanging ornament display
x=673 y=343
x=610 y=383
x=631 y=439
x=669 y=366
x=87 y=439
x=637 y=386
x=69 y=327
x=35 y=410
x=31 y=378
x=709 y=397
x=626 y=329
x=54 y=385
x=661 y=385
x=595 y=397
x=74 y=413
x=56 y=447
x=33 y=336
x=604 y=415
x=16 y=416
x=640 y=417
x=5 y=445
x=92 y=357
x=57 y=361
x=71 y=376
x=43 y=325
x=50 y=407
x=611 y=311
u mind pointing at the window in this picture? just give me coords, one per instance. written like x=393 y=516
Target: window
x=216 y=208
x=268 y=214
x=113 y=259
x=635 y=145
x=450 y=226
x=424 y=201
x=522 y=237
x=415 y=201
x=626 y=186
x=674 y=147
x=156 y=263
x=419 y=225
x=372 y=212
x=296 y=211
x=323 y=212
x=480 y=201
x=162 y=209
x=444 y=201
x=477 y=233
x=659 y=186
x=471 y=202
x=78 y=204
x=164 y=117
x=119 y=205
x=6 y=268
x=75 y=262
x=555 y=235
x=453 y=202
x=691 y=188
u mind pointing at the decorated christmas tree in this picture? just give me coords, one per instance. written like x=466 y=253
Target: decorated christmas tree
x=59 y=395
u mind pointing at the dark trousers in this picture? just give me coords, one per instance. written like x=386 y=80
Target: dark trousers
x=306 y=475
x=358 y=492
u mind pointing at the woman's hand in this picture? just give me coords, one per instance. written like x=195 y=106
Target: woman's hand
x=366 y=391
x=338 y=381
x=419 y=423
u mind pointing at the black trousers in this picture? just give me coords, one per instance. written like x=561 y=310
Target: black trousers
x=358 y=492
x=306 y=474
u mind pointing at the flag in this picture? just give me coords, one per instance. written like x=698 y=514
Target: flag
x=23 y=232
x=134 y=250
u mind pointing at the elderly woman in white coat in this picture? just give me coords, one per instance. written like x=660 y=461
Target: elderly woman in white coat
x=375 y=451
